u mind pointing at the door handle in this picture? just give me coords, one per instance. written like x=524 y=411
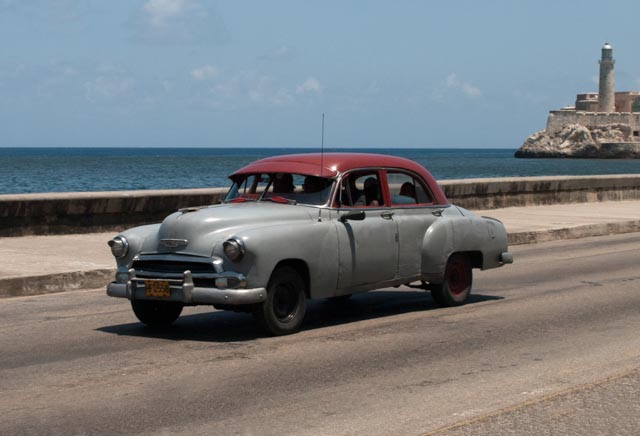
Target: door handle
x=387 y=215
x=437 y=212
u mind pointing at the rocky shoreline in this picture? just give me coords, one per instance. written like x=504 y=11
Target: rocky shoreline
x=613 y=141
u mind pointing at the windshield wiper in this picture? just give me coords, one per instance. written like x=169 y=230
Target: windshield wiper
x=279 y=199
x=239 y=200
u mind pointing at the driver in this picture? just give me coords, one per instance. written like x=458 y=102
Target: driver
x=313 y=184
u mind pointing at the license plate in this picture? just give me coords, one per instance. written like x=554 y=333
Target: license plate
x=157 y=288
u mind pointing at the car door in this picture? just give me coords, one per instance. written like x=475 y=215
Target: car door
x=368 y=248
x=414 y=212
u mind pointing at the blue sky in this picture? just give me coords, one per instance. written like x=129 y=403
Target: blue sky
x=197 y=73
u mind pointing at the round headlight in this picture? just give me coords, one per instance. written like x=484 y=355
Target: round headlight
x=119 y=246
x=234 y=249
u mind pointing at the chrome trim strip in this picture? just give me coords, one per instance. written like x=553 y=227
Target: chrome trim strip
x=174 y=243
x=176 y=257
x=179 y=277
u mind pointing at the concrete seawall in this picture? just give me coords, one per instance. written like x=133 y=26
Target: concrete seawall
x=64 y=213
x=537 y=191
x=89 y=212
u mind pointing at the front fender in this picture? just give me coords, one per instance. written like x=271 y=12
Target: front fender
x=140 y=239
x=312 y=242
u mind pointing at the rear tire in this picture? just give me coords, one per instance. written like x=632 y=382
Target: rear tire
x=458 y=279
x=283 y=311
x=156 y=313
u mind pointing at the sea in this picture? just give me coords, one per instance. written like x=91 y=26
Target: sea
x=30 y=170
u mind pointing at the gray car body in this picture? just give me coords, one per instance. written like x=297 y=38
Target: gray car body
x=335 y=257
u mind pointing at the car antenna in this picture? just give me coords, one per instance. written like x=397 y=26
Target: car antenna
x=321 y=161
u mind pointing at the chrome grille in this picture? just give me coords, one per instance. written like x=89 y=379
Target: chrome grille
x=203 y=271
x=170 y=267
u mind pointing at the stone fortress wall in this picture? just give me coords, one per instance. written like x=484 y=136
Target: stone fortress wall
x=558 y=119
x=626 y=101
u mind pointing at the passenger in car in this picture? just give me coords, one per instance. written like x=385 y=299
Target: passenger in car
x=283 y=183
x=408 y=190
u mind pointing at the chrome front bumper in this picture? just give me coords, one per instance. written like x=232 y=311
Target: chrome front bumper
x=183 y=290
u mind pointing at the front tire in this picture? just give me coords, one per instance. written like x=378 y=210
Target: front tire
x=458 y=279
x=156 y=313
x=283 y=311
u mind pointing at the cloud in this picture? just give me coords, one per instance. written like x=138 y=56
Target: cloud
x=263 y=90
x=49 y=17
x=282 y=97
x=160 y=12
x=206 y=72
x=373 y=89
x=282 y=53
x=55 y=77
x=453 y=82
x=310 y=86
x=104 y=88
x=244 y=89
x=275 y=97
x=177 y=22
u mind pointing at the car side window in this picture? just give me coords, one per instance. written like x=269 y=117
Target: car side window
x=361 y=189
x=407 y=190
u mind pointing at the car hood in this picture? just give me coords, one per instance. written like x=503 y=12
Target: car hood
x=196 y=231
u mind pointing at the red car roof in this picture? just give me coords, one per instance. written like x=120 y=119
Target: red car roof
x=334 y=164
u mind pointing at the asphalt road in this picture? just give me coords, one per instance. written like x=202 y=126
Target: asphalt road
x=548 y=345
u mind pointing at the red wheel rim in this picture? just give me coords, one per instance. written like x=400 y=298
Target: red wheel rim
x=457 y=276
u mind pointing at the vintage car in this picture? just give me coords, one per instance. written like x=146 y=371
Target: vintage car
x=305 y=226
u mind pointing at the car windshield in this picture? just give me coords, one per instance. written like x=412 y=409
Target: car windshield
x=280 y=188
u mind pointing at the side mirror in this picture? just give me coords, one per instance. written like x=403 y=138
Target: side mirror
x=354 y=215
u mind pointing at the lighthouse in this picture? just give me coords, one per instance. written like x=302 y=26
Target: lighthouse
x=606 y=91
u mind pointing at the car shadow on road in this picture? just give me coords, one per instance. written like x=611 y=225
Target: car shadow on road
x=224 y=326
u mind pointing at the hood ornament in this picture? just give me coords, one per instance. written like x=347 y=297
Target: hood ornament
x=174 y=243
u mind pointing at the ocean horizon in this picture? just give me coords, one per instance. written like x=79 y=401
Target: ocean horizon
x=54 y=169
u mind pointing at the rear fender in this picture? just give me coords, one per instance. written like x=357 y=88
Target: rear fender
x=458 y=234
x=437 y=246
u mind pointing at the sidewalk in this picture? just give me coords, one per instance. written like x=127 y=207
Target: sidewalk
x=531 y=224
x=32 y=265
